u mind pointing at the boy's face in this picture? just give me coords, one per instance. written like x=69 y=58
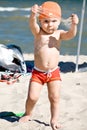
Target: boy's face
x=49 y=25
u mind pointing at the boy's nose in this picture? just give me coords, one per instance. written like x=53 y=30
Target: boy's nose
x=50 y=24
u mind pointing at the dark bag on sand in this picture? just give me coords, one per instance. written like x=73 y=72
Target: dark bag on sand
x=12 y=63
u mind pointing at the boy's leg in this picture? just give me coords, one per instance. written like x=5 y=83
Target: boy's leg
x=33 y=95
x=54 y=95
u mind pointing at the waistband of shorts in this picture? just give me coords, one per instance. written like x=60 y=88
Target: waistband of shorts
x=48 y=71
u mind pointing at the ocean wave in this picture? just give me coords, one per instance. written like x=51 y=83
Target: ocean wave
x=9 y=9
x=14 y=16
x=27 y=16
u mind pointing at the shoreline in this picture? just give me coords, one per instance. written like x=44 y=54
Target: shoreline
x=82 y=58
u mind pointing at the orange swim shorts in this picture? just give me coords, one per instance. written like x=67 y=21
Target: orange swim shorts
x=45 y=76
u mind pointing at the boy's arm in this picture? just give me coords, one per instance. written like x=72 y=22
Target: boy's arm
x=35 y=29
x=66 y=35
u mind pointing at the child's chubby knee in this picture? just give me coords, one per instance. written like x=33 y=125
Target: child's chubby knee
x=54 y=97
x=32 y=98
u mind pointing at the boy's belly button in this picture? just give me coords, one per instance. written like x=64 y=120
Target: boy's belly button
x=47 y=65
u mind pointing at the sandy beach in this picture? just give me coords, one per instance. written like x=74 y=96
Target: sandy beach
x=73 y=99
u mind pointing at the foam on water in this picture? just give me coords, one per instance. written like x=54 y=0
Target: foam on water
x=9 y=9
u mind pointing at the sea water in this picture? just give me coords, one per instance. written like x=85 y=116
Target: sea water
x=14 y=26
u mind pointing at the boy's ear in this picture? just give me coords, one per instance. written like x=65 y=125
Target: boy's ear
x=59 y=21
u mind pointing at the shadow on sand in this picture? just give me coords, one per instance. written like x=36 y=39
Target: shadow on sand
x=12 y=117
x=64 y=66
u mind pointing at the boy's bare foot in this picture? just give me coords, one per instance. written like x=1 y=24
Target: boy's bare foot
x=55 y=126
x=25 y=118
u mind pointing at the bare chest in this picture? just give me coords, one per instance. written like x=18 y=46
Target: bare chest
x=50 y=41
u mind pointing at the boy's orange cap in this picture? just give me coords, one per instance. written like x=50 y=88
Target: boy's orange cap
x=50 y=9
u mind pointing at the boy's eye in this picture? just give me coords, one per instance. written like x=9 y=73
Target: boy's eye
x=46 y=21
x=54 y=21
